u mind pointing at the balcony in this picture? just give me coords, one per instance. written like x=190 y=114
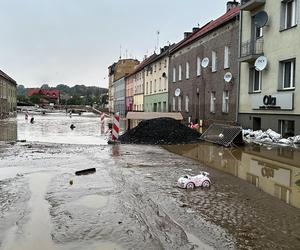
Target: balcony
x=250 y=5
x=251 y=50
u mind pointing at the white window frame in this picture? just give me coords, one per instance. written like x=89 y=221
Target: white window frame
x=213 y=61
x=225 y=103
x=187 y=70
x=254 y=71
x=174 y=74
x=294 y=13
x=179 y=103
x=226 y=57
x=213 y=102
x=174 y=104
x=187 y=100
x=179 y=72
x=292 y=80
x=198 y=66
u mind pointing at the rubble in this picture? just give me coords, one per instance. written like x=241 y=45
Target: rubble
x=270 y=136
x=160 y=131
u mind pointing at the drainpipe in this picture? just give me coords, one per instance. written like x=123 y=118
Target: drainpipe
x=239 y=66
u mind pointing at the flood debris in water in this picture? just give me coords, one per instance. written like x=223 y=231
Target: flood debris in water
x=160 y=131
x=224 y=135
x=86 y=171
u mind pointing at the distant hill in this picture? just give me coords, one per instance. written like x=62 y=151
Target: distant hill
x=76 y=95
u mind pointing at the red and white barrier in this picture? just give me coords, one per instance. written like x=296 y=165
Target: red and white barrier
x=102 y=116
x=116 y=127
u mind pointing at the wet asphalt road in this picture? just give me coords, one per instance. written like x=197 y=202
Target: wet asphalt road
x=131 y=202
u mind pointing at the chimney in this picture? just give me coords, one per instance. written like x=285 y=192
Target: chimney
x=195 y=29
x=187 y=34
x=231 y=4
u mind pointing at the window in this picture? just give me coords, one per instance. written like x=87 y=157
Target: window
x=180 y=72
x=288 y=74
x=286 y=128
x=154 y=67
x=213 y=102
x=164 y=107
x=187 y=70
x=289 y=12
x=187 y=104
x=165 y=63
x=179 y=103
x=174 y=74
x=147 y=88
x=256 y=78
x=159 y=65
x=225 y=103
x=258 y=32
x=213 y=61
x=150 y=87
x=226 y=57
x=174 y=104
x=198 y=66
x=159 y=85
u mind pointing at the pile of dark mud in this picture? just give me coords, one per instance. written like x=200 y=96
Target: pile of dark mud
x=160 y=131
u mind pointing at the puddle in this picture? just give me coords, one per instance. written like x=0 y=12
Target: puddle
x=272 y=170
x=37 y=230
x=92 y=201
x=197 y=243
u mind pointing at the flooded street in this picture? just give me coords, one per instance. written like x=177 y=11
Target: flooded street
x=132 y=201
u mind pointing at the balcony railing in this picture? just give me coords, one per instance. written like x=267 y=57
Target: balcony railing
x=252 y=49
x=250 y=5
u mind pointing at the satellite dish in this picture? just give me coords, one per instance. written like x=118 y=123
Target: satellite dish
x=205 y=62
x=228 y=77
x=177 y=92
x=261 y=63
x=261 y=19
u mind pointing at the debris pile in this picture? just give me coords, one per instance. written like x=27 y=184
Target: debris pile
x=269 y=136
x=160 y=131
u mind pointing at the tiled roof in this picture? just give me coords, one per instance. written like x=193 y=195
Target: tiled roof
x=7 y=77
x=207 y=28
x=53 y=93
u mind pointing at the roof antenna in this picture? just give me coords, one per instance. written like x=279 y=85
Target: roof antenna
x=157 y=45
x=120 y=52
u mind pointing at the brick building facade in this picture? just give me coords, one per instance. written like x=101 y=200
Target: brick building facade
x=202 y=92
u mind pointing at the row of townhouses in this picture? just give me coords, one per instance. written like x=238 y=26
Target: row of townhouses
x=240 y=68
x=8 y=95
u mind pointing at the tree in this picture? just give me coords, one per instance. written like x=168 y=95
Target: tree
x=45 y=86
x=35 y=98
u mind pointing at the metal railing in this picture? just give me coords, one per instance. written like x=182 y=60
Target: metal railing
x=252 y=47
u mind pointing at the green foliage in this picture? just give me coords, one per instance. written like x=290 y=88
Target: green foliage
x=35 y=98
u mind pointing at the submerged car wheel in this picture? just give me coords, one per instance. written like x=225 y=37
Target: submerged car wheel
x=206 y=184
x=190 y=185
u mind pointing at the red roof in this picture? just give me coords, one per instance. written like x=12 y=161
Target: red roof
x=207 y=28
x=142 y=65
x=51 y=93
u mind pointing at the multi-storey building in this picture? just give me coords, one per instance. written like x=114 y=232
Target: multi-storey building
x=156 y=83
x=119 y=96
x=269 y=54
x=129 y=92
x=115 y=72
x=203 y=71
x=8 y=95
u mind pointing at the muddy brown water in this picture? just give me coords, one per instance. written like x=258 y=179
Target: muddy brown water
x=132 y=201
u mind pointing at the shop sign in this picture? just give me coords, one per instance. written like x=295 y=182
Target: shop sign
x=278 y=101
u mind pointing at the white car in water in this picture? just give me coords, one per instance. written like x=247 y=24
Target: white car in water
x=190 y=182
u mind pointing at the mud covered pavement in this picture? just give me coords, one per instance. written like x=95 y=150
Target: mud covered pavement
x=131 y=202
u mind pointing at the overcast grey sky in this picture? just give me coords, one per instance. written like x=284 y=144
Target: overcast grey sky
x=74 y=41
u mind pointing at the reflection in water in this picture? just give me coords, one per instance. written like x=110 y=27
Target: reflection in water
x=8 y=130
x=273 y=170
